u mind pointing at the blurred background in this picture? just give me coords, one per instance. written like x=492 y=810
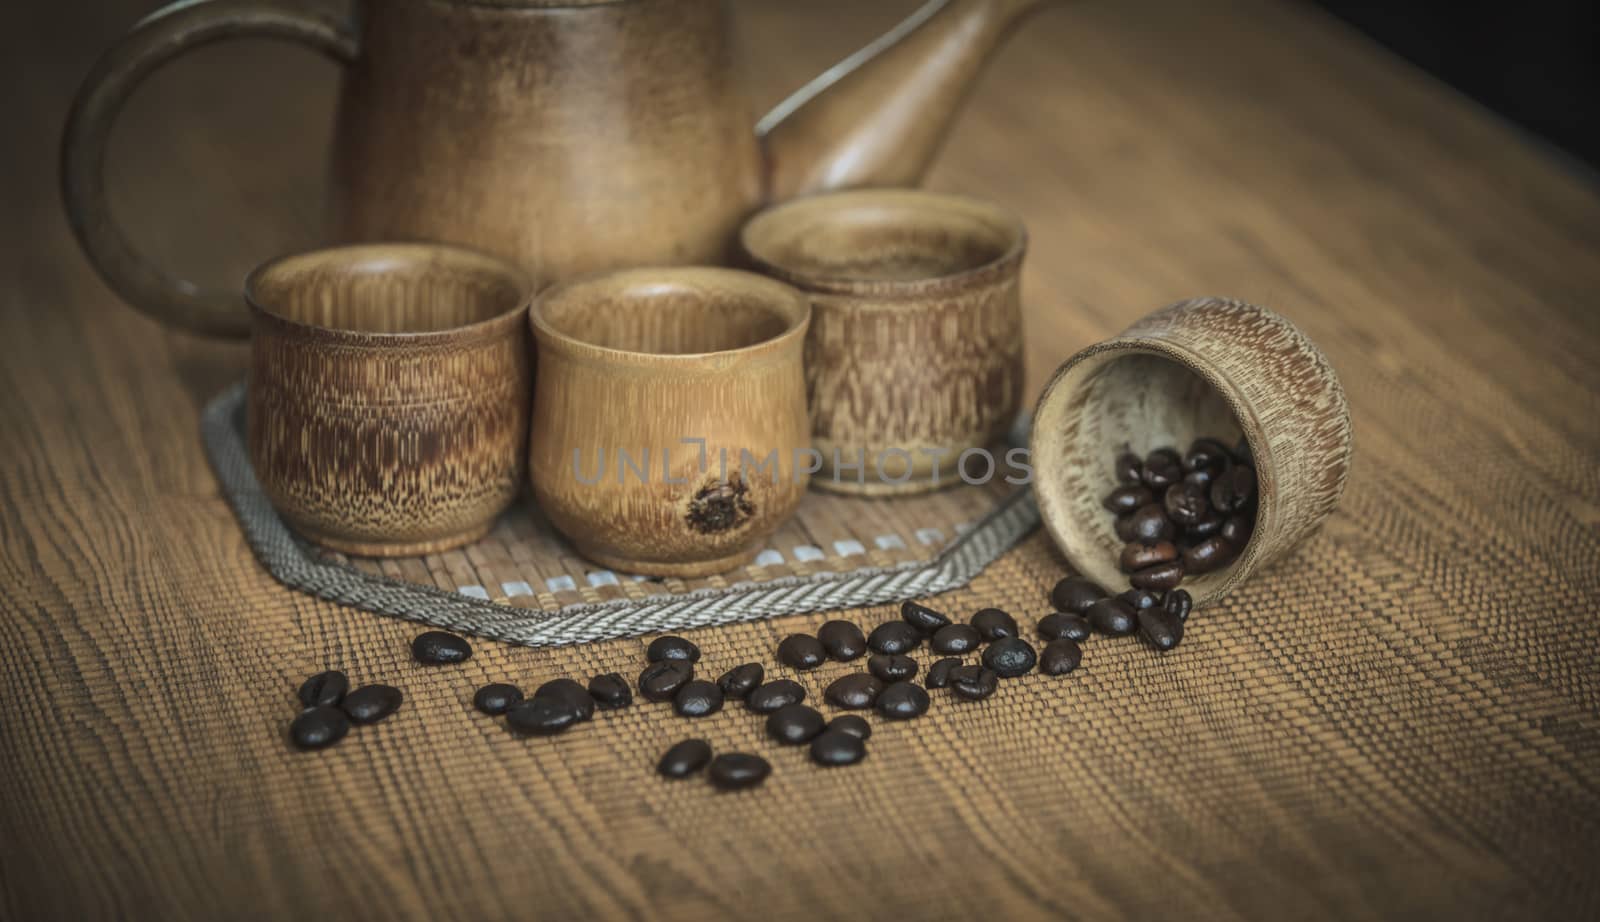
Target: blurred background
x=219 y=159
x=1537 y=62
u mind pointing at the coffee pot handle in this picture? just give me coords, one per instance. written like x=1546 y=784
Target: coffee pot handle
x=155 y=40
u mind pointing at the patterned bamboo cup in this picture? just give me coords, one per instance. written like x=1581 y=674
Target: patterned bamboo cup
x=389 y=394
x=915 y=351
x=1204 y=367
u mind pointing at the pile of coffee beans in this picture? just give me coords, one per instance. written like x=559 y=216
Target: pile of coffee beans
x=1181 y=516
x=329 y=707
x=887 y=687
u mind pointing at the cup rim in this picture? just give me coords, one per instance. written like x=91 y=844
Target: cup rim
x=998 y=267
x=548 y=335
x=411 y=249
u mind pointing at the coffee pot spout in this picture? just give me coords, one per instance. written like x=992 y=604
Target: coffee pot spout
x=877 y=117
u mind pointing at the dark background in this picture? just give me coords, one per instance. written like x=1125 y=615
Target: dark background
x=1533 y=61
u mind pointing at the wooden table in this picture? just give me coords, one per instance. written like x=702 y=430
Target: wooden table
x=1425 y=741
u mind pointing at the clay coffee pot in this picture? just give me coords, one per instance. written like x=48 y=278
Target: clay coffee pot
x=567 y=136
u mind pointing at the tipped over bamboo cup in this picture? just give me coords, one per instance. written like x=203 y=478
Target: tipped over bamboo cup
x=1204 y=367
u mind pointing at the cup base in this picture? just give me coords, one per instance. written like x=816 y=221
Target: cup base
x=686 y=569
x=356 y=548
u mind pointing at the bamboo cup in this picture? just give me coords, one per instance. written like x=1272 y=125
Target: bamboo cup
x=1205 y=367
x=669 y=418
x=388 y=396
x=915 y=351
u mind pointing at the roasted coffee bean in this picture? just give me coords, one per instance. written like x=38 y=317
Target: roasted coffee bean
x=684 y=759
x=854 y=692
x=1158 y=477
x=1202 y=479
x=1010 y=657
x=437 y=648
x=1206 y=527
x=1075 y=595
x=922 y=617
x=939 y=673
x=1130 y=470
x=571 y=692
x=994 y=624
x=892 y=667
x=1186 y=503
x=1161 y=628
x=1060 y=657
x=1178 y=604
x=1150 y=524
x=1139 y=599
x=698 y=698
x=835 y=747
x=1208 y=555
x=851 y=724
x=1139 y=556
x=975 y=686
x=318 y=727
x=794 y=724
x=956 y=638
x=1234 y=490
x=371 y=703
x=497 y=698
x=1161 y=577
x=1124 y=500
x=325 y=689
x=1112 y=616
x=1162 y=469
x=894 y=637
x=1164 y=455
x=661 y=680
x=1236 y=530
x=1207 y=454
x=732 y=771
x=801 y=651
x=773 y=695
x=1061 y=625
x=1123 y=526
x=672 y=648
x=1242 y=453
x=902 y=701
x=843 y=640
x=741 y=680
x=610 y=691
x=542 y=716
x=968 y=672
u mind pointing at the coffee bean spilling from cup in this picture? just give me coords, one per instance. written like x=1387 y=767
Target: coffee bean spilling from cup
x=1181 y=515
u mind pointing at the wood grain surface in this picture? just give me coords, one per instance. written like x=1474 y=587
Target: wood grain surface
x=1402 y=721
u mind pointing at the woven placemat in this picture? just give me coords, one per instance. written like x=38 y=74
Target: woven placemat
x=524 y=584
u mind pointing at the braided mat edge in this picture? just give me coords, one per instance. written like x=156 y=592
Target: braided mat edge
x=291 y=561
